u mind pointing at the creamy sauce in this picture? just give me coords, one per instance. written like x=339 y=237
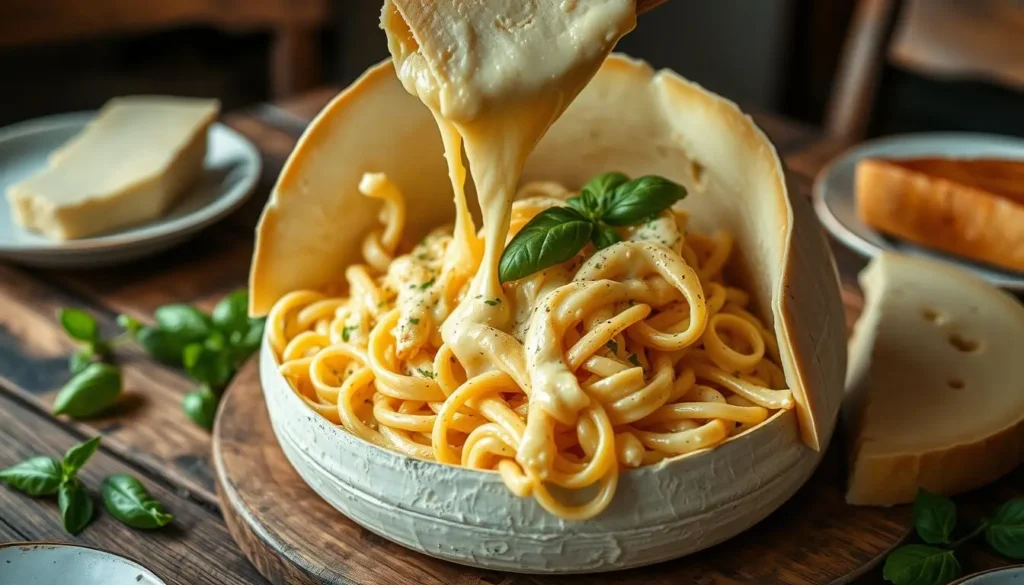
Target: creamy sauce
x=496 y=75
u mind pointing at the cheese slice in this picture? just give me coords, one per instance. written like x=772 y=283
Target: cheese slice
x=935 y=394
x=128 y=166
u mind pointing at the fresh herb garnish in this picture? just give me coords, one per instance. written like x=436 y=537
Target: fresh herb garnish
x=493 y=302
x=608 y=200
x=414 y=321
x=90 y=392
x=130 y=502
x=614 y=347
x=428 y=284
x=346 y=332
x=935 y=563
x=633 y=359
x=426 y=373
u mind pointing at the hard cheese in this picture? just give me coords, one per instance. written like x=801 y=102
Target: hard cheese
x=936 y=396
x=128 y=166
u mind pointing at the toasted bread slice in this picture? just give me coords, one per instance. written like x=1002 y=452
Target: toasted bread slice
x=969 y=207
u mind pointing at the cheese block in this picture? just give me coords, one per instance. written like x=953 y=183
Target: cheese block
x=128 y=166
x=935 y=398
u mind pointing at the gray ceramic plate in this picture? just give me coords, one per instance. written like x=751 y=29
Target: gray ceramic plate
x=230 y=172
x=834 y=193
x=50 y=564
x=1002 y=576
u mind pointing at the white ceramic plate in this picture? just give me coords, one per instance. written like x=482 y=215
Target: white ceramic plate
x=834 y=193
x=50 y=564
x=230 y=172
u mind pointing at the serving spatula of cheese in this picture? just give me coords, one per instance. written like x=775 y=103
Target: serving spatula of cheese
x=935 y=385
x=128 y=166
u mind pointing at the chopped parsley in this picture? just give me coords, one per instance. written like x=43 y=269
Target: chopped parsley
x=414 y=321
x=614 y=347
x=427 y=284
x=426 y=373
x=346 y=332
x=633 y=359
x=493 y=302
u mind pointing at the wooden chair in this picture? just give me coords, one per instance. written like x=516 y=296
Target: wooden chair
x=295 y=55
x=945 y=40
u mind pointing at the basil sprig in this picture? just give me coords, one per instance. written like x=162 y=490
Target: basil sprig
x=46 y=476
x=935 y=563
x=607 y=201
x=210 y=348
x=130 y=502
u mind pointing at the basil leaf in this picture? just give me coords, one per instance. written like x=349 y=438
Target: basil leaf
x=232 y=313
x=636 y=200
x=89 y=393
x=162 y=345
x=594 y=196
x=130 y=324
x=550 y=238
x=128 y=500
x=80 y=360
x=38 y=476
x=604 y=236
x=252 y=338
x=215 y=342
x=77 y=456
x=1005 y=532
x=201 y=407
x=76 y=507
x=934 y=517
x=206 y=365
x=918 y=564
x=78 y=324
x=183 y=321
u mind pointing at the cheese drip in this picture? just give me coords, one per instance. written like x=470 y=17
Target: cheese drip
x=615 y=359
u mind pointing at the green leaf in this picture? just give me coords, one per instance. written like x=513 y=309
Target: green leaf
x=594 y=196
x=38 y=476
x=215 y=342
x=208 y=366
x=76 y=507
x=918 y=564
x=636 y=200
x=77 y=456
x=89 y=393
x=78 y=324
x=201 y=407
x=183 y=321
x=553 y=236
x=163 y=346
x=80 y=360
x=1005 y=532
x=604 y=236
x=232 y=313
x=128 y=500
x=129 y=324
x=934 y=517
x=252 y=338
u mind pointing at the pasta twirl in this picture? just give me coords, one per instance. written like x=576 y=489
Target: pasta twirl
x=655 y=353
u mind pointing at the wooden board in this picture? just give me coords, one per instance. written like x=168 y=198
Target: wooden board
x=294 y=537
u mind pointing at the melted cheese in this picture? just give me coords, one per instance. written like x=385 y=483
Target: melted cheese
x=127 y=167
x=496 y=75
x=936 y=399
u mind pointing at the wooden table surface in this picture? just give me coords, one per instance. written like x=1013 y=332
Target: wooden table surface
x=149 y=435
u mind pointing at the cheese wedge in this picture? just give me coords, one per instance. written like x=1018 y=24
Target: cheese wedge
x=935 y=396
x=127 y=167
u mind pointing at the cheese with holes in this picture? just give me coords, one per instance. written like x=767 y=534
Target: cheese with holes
x=936 y=395
x=128 y=166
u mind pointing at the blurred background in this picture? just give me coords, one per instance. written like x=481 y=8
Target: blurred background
x=855 y=67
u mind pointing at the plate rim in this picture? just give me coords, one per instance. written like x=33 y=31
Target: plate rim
x=868 y=249
x=35 y=544
x=224 y=204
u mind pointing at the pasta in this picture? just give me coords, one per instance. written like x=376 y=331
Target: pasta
x=615 y=359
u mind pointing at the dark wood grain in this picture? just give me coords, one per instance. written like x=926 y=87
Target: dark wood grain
x=193 y=550
x=815 y=538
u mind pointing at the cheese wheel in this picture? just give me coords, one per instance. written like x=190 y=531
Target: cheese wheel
x=936 y=400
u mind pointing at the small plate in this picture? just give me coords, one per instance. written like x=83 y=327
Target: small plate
x=32 y=563
x=230 y=172
x=834 y=193
x=1002 y=576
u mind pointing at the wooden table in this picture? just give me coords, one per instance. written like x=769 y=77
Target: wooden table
x=149 y=435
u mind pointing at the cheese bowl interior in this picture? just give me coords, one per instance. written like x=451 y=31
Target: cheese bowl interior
x=629 y=119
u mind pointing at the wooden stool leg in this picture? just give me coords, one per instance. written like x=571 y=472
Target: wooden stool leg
x=294 y=61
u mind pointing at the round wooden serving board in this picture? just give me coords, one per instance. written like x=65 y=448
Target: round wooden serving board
x=293 y=537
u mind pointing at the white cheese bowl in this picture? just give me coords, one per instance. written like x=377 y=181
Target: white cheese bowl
x=629 y=119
